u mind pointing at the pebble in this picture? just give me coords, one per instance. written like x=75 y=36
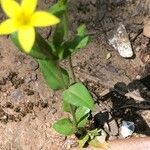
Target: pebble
x=145 y=58
x=138 y=77
x=120 y=42
x=127 y=128
x=17 y=62
x=21 y=58
x=30 y=77
x=34 y=65
x=53 y=110
x=138 y=48
x=16 y=94
x=108 y=56
x=70 y=143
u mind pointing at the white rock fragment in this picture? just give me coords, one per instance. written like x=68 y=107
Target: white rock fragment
x=121 y=43
x=108 y=56
x=127 y=128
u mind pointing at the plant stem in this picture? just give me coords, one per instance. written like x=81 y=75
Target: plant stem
x=71 y=71
x=66 y=28
x=72 y=110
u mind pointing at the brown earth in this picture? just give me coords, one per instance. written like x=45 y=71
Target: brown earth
x=28 y=108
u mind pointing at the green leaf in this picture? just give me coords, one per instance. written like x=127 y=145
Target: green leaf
x=78 y=95
x=79 y=43
x=40 y=49
x=83 y=141
x=58 y=39
x=58 y=36
x=100 y=133
x=82 y=114
x=67 y=107
x=59 y=8
x=99 y=142
x=64 y=126
x=56 y=77
x=81 y=40
x=81 y=30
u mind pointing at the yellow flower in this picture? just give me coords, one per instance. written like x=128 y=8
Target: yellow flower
x=23 y=18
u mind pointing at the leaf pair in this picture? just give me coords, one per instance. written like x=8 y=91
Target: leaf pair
x=64 y=49
x=76 y=95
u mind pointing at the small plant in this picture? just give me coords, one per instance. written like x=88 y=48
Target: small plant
x=76 y=98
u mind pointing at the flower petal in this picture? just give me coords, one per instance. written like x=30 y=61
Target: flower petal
x=26 y=38
x=7 y=27
x=29 y=6
x=10 y=7
x=41 y=18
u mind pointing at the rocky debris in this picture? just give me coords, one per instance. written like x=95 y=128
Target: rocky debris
x=16 y=95
x=30 y=77
x=15 y=80
x=34 y=65
x=120 y=42
x=127 y=128
x=103 y=119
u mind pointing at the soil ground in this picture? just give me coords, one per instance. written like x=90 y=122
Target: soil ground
x=28 y=108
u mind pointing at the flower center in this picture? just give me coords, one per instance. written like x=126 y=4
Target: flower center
x=23 y=19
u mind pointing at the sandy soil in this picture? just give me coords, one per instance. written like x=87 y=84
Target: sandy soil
x=28 y=108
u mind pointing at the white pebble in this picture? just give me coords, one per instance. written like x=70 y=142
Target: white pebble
x=121 y=43
x=127 y=128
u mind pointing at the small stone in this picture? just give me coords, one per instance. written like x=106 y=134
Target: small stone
x=68 y=146
x=16 y=94
x=34 y=65
x=53 y=110
x=4 y=117
x=30 y=77
x=120 y=42
x=17 y=62
x=108 y=56
x=138 y=77
x=70 y=143
x=21 y=57
x=127 y=128
x=78 y=68
x=145 y=58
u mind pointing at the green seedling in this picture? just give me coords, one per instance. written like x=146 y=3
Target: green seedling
x=77 y=100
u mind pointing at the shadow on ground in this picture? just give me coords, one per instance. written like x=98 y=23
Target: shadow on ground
x=127 y=108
